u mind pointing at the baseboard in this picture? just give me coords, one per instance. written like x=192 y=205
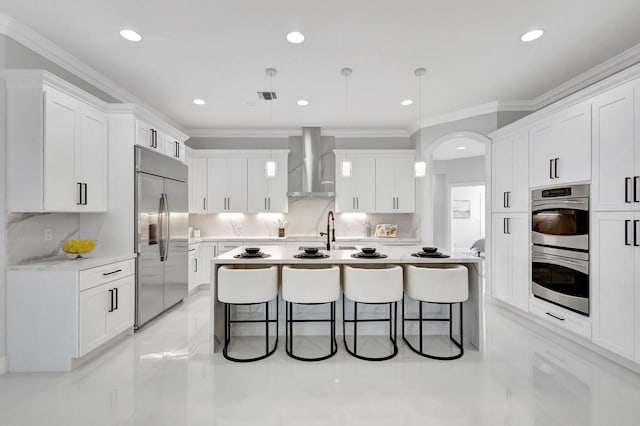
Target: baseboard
x=4 y=363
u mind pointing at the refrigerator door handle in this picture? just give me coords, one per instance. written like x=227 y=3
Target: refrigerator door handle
x=168 y=215
x=160 y=226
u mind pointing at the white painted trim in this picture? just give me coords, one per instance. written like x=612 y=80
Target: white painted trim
x=400 y=153
x=297 y=131
x=238 y=153
x=46 y=48
x=146 y=116
x=4 y=364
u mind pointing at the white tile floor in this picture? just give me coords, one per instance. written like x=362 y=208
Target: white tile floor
x=164 y=375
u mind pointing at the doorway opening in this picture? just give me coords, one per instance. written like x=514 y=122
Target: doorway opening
x=466 y=215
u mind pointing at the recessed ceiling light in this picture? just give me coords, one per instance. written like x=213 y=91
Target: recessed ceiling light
x=199 y=101
x=532 y=35
x=295 y=37
x=461 y=147
x=130 y=35
x=406 y=102
x=303 y=102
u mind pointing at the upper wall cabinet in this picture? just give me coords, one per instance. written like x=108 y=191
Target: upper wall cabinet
x=267 y=184
x=395 y=184
x=148 y=136
x=56 y=146
x=616 y=149
x=226 y=184
x=560 y=147
x=355 y=191
x=510 y=173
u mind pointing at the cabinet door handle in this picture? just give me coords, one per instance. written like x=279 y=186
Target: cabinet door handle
x=204 y=203
x=196 y=270
x=636 y=185
x=228 y=203
x=626 y=232
x=397 y=203
x=504 y=199
x=504 y=225
x=627 y=181
x=155 y=138
x=265 y=203
x=110 y=300
x=555 y=316
x=177 y=149
x=509 y=199
x=115 y=290
x=79 y=203
x=357 y=203
x=86 y=190
x=269 y=199
x=508 y=225
x=551 y=169
x=635 y=233
x=555 y=167
x=106 y=274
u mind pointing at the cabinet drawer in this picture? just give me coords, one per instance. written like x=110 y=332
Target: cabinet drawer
x=106 y=273
x=560 y=317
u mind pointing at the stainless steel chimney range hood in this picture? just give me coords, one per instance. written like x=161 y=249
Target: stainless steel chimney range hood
x=311 y=165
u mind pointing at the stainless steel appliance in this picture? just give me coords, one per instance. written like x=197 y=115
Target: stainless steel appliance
x=560 y=246
x=560 y=217
x=161 y=233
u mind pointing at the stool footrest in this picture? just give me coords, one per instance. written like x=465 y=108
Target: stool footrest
x=290 y=321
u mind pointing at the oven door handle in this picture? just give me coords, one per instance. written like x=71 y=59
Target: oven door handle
x=567 y=263
x=580 y=205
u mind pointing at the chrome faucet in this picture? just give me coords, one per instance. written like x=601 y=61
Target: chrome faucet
x=331 y=220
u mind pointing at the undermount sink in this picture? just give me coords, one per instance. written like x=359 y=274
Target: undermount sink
x=346 y=248
x=324 y=247
x=318 y=247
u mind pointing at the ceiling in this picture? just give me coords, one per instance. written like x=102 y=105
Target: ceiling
x=218 y=51
x=448 y=150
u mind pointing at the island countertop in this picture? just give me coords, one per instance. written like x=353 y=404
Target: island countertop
x=281 y=254
x=473 y=323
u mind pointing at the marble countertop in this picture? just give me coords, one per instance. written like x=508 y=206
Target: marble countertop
x=61 y=263
x=284 y=255
x=294 y=238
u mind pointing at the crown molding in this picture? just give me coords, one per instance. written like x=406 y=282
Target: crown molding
x=51 y=51
x=296 y=131
x=609 y=67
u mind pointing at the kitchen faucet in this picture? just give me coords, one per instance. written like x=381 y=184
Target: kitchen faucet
x=332 y=233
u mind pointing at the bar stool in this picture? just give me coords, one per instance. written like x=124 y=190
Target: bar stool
x=441 y=284
x=248 y=286
x=310 y=286
x=375 y=286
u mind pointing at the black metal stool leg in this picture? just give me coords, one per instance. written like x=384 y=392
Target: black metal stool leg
x=393 y=329
x=333 y=349
x=267 y=321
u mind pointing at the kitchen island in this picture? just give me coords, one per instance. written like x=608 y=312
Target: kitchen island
x=473 y=323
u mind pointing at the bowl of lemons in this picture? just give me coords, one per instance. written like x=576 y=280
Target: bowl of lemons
x=77 y=248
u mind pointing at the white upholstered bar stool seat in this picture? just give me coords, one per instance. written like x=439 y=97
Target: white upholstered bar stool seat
x=372 y=285
x=248 y=286
x=307 y=285
x=441 y=284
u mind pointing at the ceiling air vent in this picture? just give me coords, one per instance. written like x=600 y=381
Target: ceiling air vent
x=267 y=96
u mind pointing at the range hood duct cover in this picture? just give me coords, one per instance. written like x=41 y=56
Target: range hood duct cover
x=312 y=165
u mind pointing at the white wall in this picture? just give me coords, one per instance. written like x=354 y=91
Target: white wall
x=3 y=240
x=465 y=231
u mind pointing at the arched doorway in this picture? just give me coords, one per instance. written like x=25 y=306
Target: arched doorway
x=435 y=223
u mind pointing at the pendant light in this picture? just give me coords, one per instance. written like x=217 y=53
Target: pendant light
x=346 y=165
x=420 y=167
x=270 y=166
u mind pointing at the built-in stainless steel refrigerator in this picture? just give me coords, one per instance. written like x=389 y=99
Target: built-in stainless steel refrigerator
x=161 y=233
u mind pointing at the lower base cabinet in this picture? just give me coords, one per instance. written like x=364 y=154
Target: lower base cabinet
x=59 y=313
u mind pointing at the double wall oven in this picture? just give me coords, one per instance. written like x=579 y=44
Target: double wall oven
x=560 y=246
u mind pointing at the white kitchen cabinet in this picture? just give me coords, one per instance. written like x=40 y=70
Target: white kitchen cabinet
x=193 y=267
x=223 y=247
x=57 y=314
x=267 y=193
x=356 y=193
x=206 y=252
x=56 y=146
x=147 y=136
x=616 y=149
x=560 y=147
x=615 y=282
x=174 y=148
x=227 y=184
x=198 y=183
x=395 y=184
x=510 y=280
x=510 y=173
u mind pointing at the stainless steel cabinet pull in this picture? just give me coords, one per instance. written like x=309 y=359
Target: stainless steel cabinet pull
x=265 y=203
x=551 y=169
x=626 y=232
x=228 y=203
x=79 y=203
x=555 y=316
x=111 y=273
x=269 y=198
x=397 y=203
x=353 y=203
x=110 y=300
x=636 y=185
x=627 y=181
x=635 y=233
x=555 y=167
x=358 y=203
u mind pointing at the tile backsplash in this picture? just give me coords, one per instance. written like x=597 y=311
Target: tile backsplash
x=306 y=217
x=25 y=235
